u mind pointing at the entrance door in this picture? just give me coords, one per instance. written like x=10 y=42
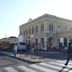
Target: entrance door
x=50 y=42
x=65 y=41
x=42 y=43
x=36 y=44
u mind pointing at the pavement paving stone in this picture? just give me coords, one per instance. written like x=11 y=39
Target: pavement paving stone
x=30 y=58
x=37 y=57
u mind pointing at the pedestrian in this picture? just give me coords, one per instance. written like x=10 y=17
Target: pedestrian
x=32 y=46
x=15 y=50
x=69 y=53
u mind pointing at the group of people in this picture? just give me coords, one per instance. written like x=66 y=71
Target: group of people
x=15 y=49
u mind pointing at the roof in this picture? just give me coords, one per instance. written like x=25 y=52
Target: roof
x=48 y=16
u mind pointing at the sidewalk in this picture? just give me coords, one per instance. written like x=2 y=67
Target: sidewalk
x=30 y=58
x=37 y=57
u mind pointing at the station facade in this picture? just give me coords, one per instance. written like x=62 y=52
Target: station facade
x=47 y=32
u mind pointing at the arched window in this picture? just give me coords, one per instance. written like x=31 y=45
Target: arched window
x=42 y=27
x=29 y=31
x=42 y=42
x=50 y=27
x=36 y=29
x=26 y=32
x=32 y=30
x=21 y=32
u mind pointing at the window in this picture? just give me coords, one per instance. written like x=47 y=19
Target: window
x=20 y=32
x=29 y=31
x=42 y=42
x=65 y=28
x=71 y=28
x=32 y=30
x=26 y=32
x=36 y=29
x=50 y=27
x=42 y=27
x=58 y=28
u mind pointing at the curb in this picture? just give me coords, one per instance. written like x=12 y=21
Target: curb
x=28 y=61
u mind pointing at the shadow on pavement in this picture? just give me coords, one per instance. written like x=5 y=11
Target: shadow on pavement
x=8 y=64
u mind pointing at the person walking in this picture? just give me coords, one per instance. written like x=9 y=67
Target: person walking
x=69 y=53
x=15 y=50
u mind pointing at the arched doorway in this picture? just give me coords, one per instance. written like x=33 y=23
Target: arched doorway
x=42 y=44
x=50 y=43
x=65 y=41
x=36 y=44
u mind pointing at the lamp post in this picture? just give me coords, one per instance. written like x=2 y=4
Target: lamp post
x=58 y=29
x=32 y=45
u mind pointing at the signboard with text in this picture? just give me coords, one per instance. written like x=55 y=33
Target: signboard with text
x=61 y=40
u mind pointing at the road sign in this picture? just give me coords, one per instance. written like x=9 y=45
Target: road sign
x=61 y=40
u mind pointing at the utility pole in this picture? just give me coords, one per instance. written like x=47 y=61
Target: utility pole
x=58 y=29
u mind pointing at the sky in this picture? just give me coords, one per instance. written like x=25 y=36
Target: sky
x=14 y=13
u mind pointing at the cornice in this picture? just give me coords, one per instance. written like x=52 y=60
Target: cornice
x=47 y=16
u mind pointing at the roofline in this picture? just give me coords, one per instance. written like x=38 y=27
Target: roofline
x=47 y=15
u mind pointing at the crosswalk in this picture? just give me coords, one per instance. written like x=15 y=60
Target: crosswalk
x=55 y=66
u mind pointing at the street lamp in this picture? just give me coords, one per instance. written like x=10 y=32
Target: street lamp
x=58 y=30
x=32 y=40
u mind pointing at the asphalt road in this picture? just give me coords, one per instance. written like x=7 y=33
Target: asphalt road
x=6 y=61
x=51 y=63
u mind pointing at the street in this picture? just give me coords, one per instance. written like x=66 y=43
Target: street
x=47 y=64
x=6 y=61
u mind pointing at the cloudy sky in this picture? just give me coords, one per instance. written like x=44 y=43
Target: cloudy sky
x=13 y=13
